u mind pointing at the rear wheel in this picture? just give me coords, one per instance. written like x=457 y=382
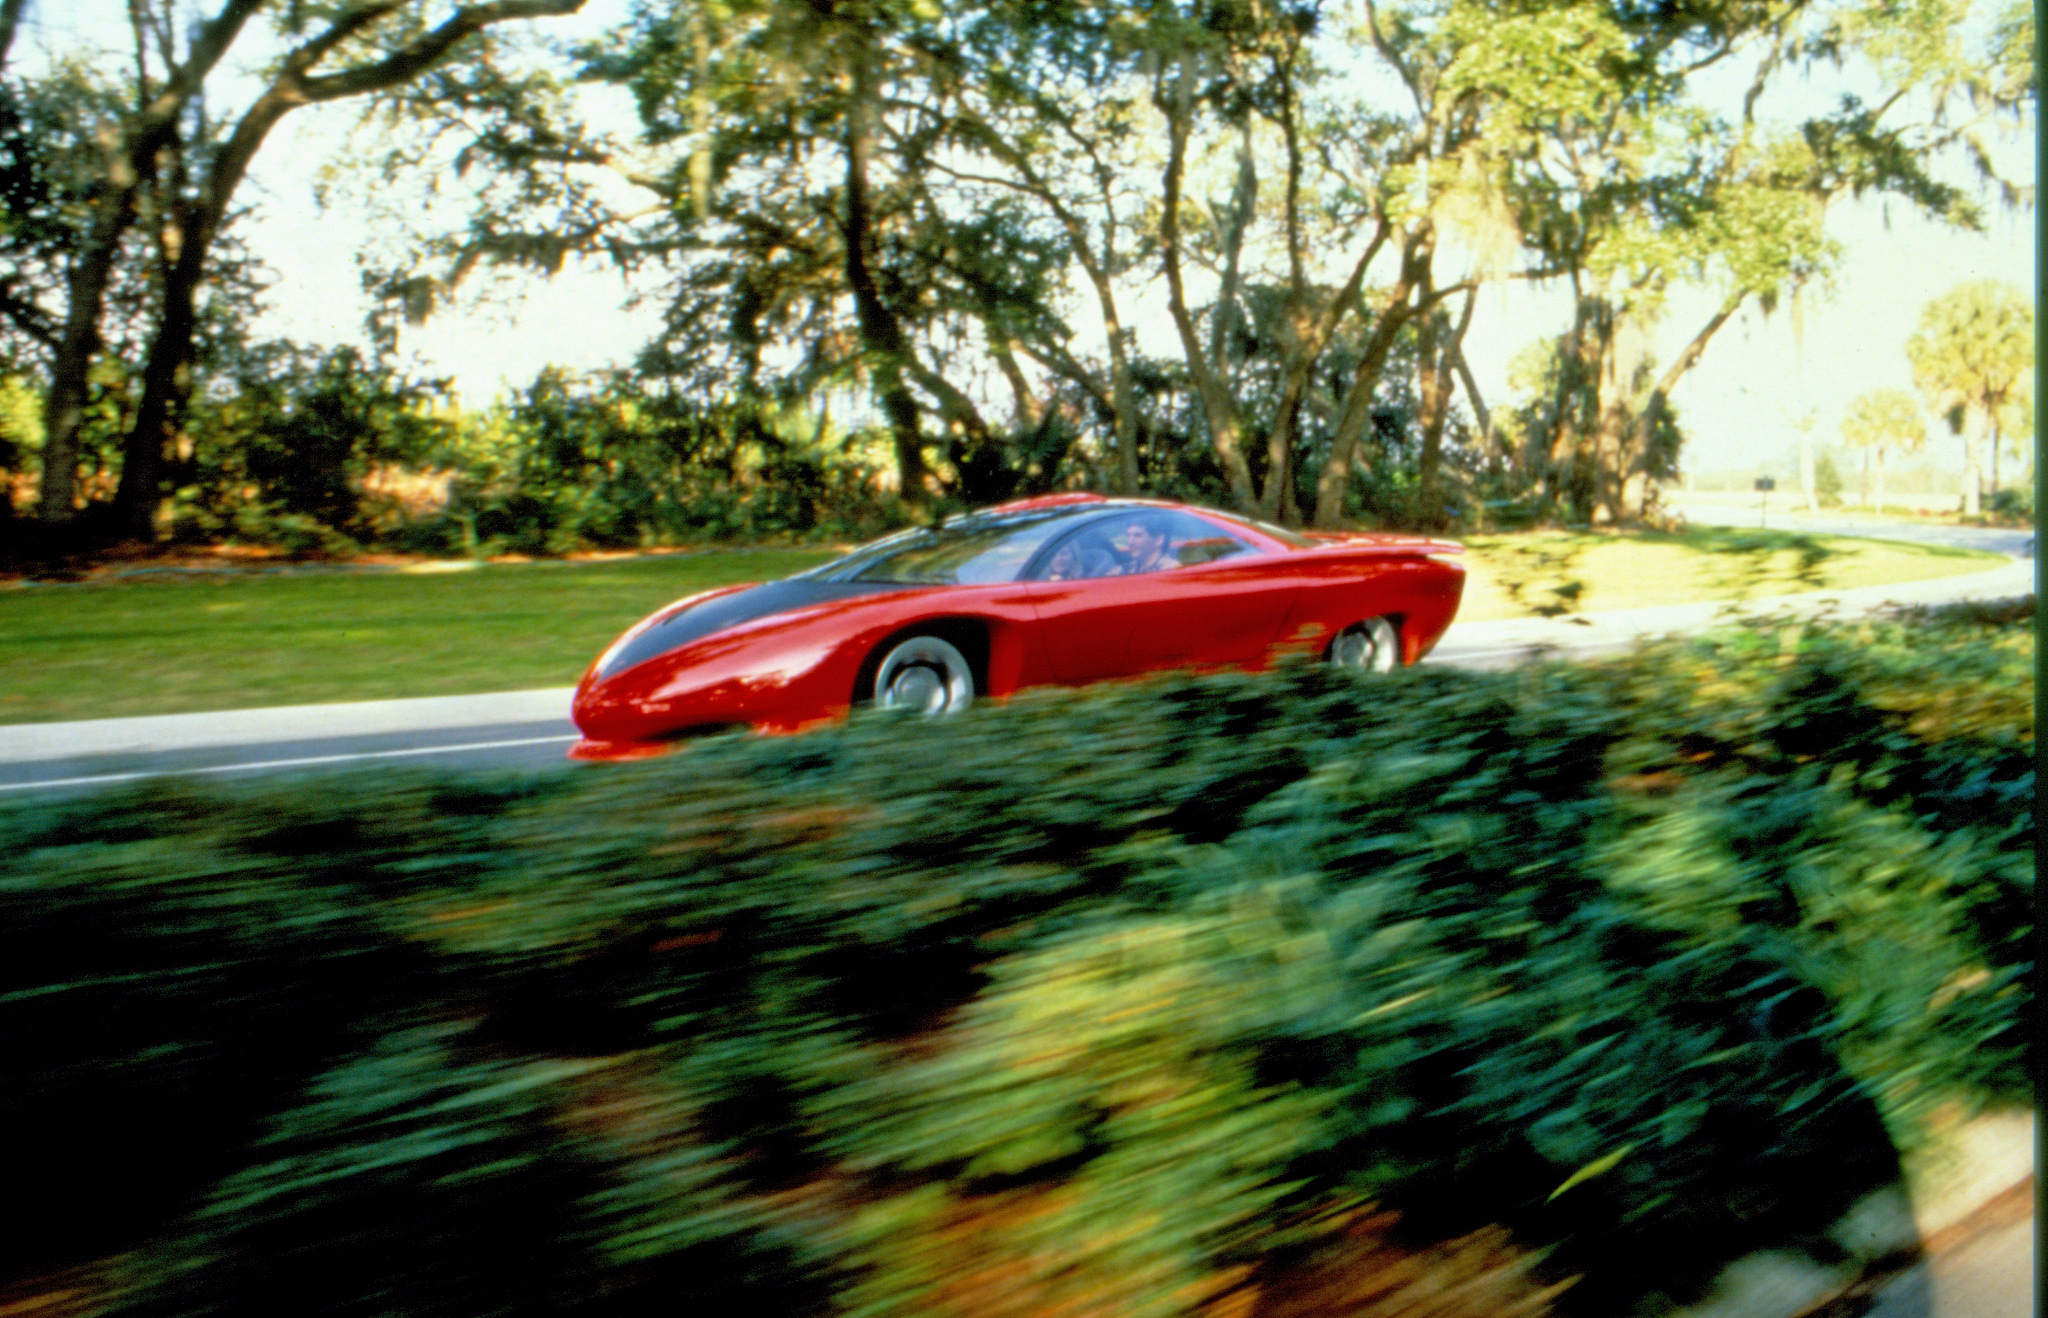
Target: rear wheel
x=1372 y=646
x=926 y=674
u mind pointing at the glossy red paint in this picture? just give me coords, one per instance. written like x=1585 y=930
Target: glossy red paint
x=803 y=665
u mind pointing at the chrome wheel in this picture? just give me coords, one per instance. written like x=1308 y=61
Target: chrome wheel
x=926 y=674
x=1372 y=647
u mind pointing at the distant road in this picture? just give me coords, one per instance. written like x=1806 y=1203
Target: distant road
x=1779 y=515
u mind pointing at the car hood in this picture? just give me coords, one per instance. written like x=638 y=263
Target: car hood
x=694 y=619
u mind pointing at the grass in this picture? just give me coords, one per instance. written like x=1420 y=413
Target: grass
x=1551 y=572
x=233 y=641
x=208 y=641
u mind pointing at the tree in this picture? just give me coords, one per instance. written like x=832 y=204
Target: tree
x=1878 y=420
x=1630 y=177
x=939 y=207
x=332 y=51
x=1973 y=358
x=1802 y=425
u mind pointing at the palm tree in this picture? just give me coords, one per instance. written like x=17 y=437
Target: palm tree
x=1973 y=355
x=1881 y=419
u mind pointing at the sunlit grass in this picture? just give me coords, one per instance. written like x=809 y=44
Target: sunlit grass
x=230 y=641
x=1547 y=572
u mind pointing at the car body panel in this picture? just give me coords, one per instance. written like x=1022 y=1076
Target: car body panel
x=784 y=656
x=1219 y=614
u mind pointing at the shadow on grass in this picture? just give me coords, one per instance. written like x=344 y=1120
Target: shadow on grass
x=1527 y=564
x=1546 y=575
x=1752 y=556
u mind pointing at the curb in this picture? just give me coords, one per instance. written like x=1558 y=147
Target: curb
x=35 y=742
x=1973 y=1179
x=1967 y=1172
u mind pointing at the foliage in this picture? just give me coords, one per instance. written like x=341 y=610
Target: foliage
x=1123 y=998
x=949 y=225
x=1827 y=481
x=615 y=461
x=130 y=201
x=323 y=452
x=1973 y=359
x=1885 y=418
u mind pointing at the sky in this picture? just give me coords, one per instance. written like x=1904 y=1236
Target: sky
x=1738 y=406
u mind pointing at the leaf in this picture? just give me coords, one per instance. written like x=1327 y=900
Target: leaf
x=1592 y=1169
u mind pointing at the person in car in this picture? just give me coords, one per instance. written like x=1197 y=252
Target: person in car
x=1066 y=563
x=1145 y=546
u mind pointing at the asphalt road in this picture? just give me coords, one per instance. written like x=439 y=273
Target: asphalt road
x=1780 y=515
x=530 y=731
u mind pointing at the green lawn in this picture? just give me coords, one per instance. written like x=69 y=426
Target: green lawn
x=163 y=643
x=229 y=641
x=1579 y=571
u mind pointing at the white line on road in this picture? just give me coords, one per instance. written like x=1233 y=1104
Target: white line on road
x=300 y=763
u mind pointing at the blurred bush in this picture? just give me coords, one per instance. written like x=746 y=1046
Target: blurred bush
x=1224 y=995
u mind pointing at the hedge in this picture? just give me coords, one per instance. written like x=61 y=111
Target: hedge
x=1554 y=989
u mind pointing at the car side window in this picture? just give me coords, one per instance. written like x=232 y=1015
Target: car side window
x=1194 y=540
x=1087 y=554
x=1147 y=540
x=1208 y=549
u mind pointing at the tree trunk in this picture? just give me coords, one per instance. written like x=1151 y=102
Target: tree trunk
x=1277 y=500
x=881 y=333
x=10 y=22
x=1123 y=394
x=1973 y=465
x=128 y=159
x=1879 y=480
x=1807 y=480
x=1335 y=478
x=92 y=272
x=1650 y=413
x=187 y=235
x=1435 y=390
x=1120 y=399
x=1219 y=407
x=1029 y=411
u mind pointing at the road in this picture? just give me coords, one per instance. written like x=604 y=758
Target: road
x=530 y=731
x=1780 y=516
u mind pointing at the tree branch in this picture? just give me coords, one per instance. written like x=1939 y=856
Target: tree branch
x=10 y=23
x=412 y=60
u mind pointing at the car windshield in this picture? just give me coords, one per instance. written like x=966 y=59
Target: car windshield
x=970 y=551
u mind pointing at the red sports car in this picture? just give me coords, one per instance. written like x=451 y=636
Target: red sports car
x=1066 y=589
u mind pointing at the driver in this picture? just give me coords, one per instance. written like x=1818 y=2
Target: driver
x=1145 y=549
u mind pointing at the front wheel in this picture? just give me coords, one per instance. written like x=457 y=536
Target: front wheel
x=1372 y=646
x=925 y=674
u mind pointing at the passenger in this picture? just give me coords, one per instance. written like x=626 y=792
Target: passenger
x=1066 y=563
x=1145 y=546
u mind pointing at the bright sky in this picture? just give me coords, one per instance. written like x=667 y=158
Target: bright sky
x=1738 y=405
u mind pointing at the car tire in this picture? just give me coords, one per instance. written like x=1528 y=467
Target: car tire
x=926 y=674
x=1372 y=646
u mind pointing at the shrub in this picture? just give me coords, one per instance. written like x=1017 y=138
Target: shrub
x=1148 y=999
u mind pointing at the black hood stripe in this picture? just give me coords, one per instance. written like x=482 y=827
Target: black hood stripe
x=705 y=617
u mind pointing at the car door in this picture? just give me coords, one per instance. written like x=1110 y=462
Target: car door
x=1218 y=603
